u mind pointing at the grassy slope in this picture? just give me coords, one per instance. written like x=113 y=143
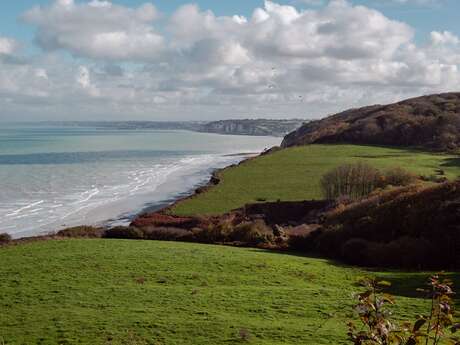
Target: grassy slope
x=294 y=174
x=85 y=292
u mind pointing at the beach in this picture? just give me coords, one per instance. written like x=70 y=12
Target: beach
x=56 y=177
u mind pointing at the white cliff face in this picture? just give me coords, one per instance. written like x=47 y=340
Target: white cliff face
x=259 y=127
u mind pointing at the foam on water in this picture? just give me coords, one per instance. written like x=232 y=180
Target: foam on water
x=46 y=191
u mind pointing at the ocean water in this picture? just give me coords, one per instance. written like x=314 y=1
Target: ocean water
x=53 y=177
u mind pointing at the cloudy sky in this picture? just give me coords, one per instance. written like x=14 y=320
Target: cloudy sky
x=175 y=60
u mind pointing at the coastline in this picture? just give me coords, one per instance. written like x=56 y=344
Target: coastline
x=161 y=207
x=167 y=205
x=209 y=178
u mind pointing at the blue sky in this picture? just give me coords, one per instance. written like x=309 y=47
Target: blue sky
x=173 y=59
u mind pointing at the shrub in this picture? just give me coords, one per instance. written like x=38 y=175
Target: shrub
x=355 y=251
x=377 y=327
x=82 y=231
x=352 y=180
x=252 y=233
x=214 y=233
x=404 y=252
x=329 y=241
x=302 y=237
x=399 y=177
x=5 y=238
x=167 y=234
x=123 y=232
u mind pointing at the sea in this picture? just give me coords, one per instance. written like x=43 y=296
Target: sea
x=53 y=177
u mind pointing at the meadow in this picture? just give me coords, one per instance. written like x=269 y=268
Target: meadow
x=294 y=174
x=148 y=292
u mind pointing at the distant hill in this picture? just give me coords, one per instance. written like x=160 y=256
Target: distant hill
x=256 y=127
x=428 y=121
x=277 y=128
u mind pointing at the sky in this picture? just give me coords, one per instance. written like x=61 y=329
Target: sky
x=207 y=60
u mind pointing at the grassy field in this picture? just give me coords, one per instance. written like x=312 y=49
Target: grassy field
x=294 y=174
x=145 y=292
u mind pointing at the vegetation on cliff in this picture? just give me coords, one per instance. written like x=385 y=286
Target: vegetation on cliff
x=430 y=121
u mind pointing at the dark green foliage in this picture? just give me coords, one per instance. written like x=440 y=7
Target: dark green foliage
x=122 y=232
x=416 y=227
x=167 y=234
x=5 y=238
x=82 y=232
x=356 y=251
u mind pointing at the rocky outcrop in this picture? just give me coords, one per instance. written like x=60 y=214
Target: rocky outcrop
x=429 y=121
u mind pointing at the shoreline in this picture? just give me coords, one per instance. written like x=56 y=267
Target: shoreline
x=161 y=206
x=214 y=180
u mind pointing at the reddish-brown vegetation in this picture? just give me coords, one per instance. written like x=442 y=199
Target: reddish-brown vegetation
x=165 y=220
x=429 y=121
x=411 y=227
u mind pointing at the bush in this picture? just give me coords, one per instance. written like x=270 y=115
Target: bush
x=355 y=251
x=215 y=233
x=377 y=327
x=352 y=180
x=252 y=233
x=123 y=232
x=302 y=237
x=82 y=231
x=167 y=234
x=399 y=177
x=329 y=241
x=405 y=252
x=5 y=238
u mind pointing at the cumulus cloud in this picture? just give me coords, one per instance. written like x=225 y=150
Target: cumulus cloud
x=97 y=29
x=8 y=46
x=279 y=61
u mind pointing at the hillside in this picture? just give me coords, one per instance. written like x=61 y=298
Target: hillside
x=277 y=128
x=414 y=226
x=147 y=292
x=295 y=173
x=431 y=122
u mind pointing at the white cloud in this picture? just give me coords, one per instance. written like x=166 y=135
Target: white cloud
x=280 y=61
x=98 y=29
x=445 y=37
x=8 y=46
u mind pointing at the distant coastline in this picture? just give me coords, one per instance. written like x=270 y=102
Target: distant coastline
x=250 y=127
x=53 y=177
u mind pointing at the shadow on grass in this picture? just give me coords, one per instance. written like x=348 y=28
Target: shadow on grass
x=379 y=156
x=403 y=283
x=451 y=162
x=406 y=284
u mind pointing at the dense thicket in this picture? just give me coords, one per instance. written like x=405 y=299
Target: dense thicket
x=414 y=227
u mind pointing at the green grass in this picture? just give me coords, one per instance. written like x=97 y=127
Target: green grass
x=294 y=174
x=87 y=292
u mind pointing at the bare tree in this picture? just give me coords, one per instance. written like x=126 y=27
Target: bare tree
x=352 y=180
